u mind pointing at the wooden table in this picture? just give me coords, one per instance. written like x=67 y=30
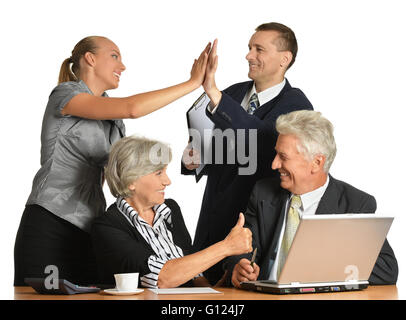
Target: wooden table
x=231 y=303
x=371 y=293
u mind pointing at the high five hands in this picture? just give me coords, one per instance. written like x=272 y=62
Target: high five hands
x=204 y=70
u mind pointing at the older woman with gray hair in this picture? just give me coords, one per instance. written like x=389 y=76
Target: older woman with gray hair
x=142 y=232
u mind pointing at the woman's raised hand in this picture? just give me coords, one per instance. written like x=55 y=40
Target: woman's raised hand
x=198 y=71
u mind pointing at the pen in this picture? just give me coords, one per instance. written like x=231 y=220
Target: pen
x=253 y=257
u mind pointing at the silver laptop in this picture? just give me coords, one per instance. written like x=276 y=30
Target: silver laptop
x=330 y=253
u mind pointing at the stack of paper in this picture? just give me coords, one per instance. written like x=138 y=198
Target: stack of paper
x=194 y=290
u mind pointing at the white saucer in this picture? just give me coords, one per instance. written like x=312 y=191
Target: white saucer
x=116 y=292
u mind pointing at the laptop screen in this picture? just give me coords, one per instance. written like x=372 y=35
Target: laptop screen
x=341 y=247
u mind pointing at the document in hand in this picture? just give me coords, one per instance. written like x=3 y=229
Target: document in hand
x=200 y=130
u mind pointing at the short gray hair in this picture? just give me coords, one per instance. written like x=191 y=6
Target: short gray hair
x=314 y=132
x=131 y=158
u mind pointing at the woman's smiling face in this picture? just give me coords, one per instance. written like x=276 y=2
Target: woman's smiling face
x=108 y=65
x=148 y=190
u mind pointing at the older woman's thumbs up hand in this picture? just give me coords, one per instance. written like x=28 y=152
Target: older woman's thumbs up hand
x=239 y=240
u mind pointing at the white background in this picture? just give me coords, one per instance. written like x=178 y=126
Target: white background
x=350 y=64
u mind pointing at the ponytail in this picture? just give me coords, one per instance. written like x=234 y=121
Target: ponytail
x=70 y=70
x=66 y=74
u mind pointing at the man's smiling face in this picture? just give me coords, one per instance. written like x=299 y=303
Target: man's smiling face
x=295 y=170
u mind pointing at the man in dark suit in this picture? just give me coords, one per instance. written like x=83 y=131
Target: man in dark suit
x=251 y=106
x=305 y=150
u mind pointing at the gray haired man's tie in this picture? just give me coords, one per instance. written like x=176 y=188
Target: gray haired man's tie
x=292 y=223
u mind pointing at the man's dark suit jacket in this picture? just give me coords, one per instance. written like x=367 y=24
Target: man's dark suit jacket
x=227 y=192
x=120 y=248
x=265 y=212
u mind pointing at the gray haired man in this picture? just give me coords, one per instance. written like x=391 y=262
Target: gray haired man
x=305 y=150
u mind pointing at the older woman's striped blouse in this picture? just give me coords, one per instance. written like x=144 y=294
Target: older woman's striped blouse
x=158 y=236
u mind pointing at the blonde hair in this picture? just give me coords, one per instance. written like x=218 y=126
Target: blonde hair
x=131 y=158
x=314 y=132
x=70 y=68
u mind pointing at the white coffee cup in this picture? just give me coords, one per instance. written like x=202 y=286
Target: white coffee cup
x=126 y=281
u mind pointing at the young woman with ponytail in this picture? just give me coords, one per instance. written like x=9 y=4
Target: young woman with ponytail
x=77 y=133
